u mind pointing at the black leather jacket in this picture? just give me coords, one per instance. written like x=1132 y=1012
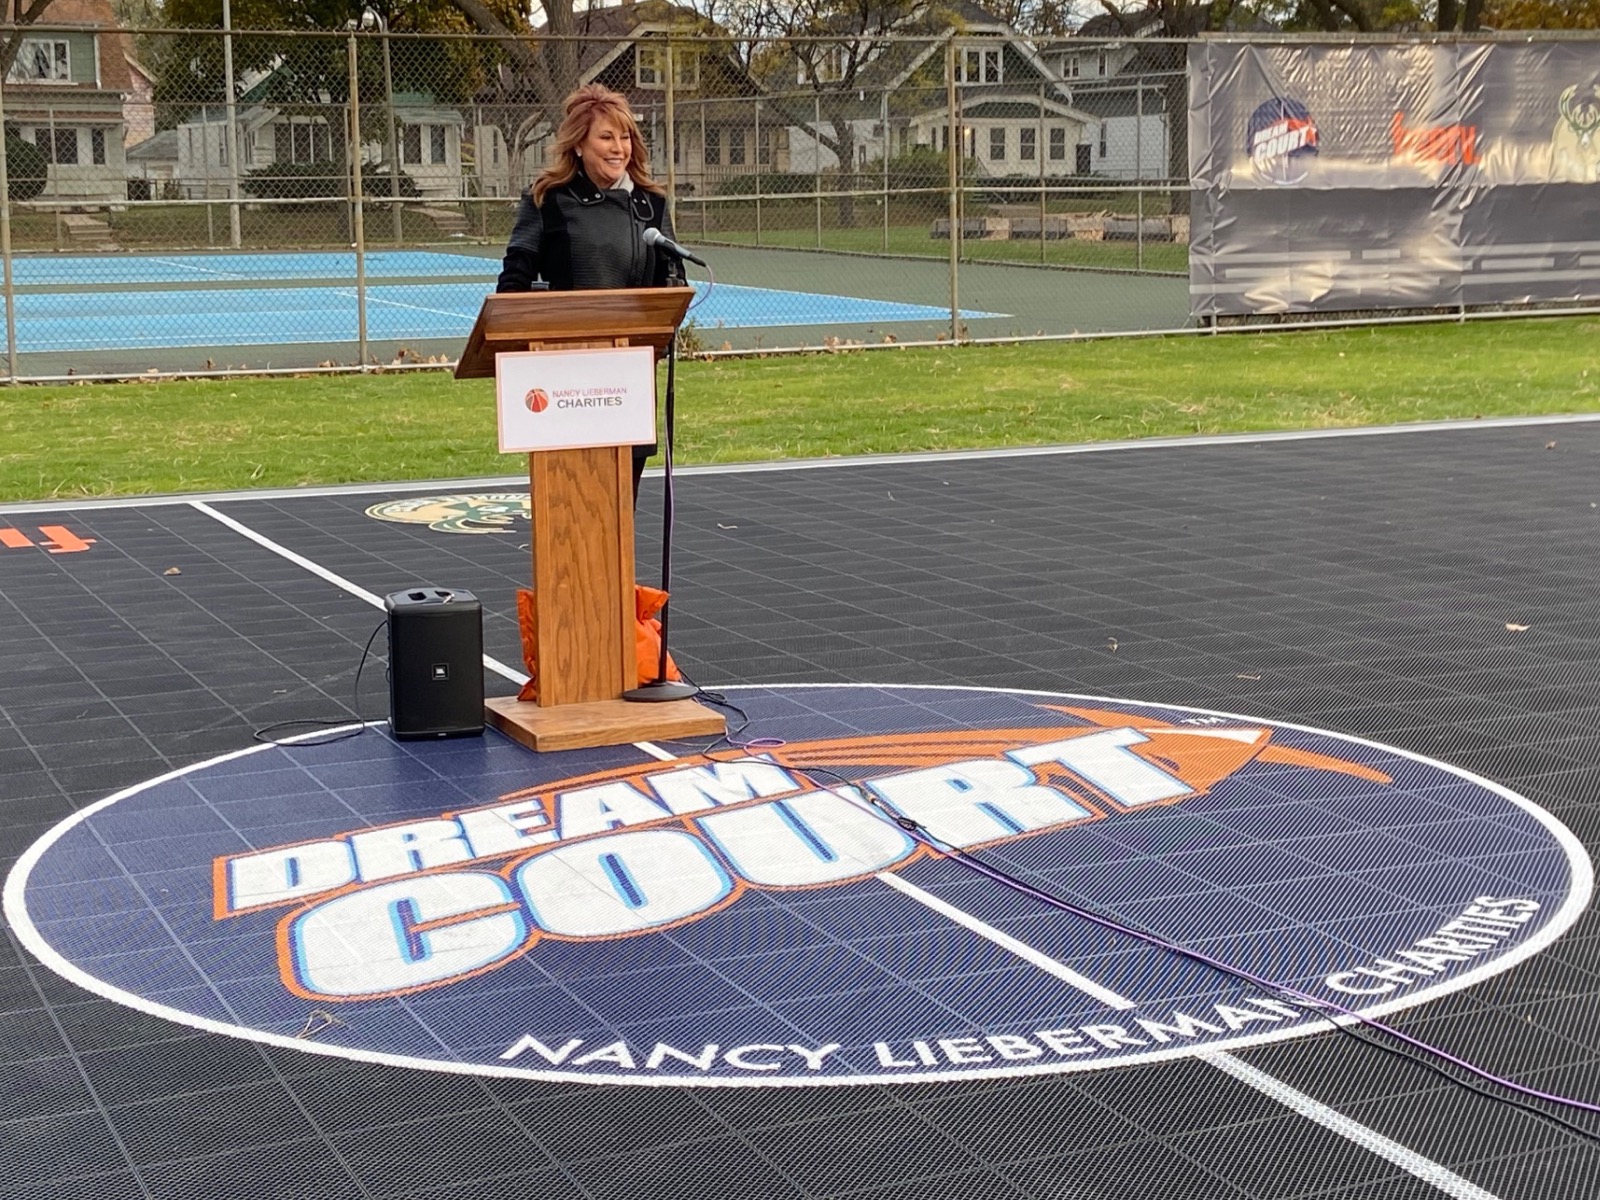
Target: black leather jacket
x=583 y=238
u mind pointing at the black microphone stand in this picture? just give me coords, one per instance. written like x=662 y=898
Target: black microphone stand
x=662 y=688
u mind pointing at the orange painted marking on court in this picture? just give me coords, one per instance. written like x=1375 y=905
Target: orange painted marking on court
x=66 y=542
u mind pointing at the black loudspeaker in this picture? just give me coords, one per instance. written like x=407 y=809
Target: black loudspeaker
x=435 y=663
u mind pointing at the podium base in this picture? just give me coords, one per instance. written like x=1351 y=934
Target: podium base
x=599 y=722
x=661 y=690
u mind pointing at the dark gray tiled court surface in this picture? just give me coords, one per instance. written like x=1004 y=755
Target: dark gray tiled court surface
x=1360 y=585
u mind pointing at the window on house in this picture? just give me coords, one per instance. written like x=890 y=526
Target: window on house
x=436 y=145
x=1073 y=67
x=764 y=148
x=1100 y=63
x=65 y=148
x=308 y=142
x=997 y=145
x=713 y=147
x=824 y=64
x=736 y=147
x=649 y=66
x=1102 y=139
x=980 y=66
x=1058 y=145
x=41 y=60
x=411 y=145
x=494 y=150
x=1027 y=143
x=685 y=68
x=98 y=142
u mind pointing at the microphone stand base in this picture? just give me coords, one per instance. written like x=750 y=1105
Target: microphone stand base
x=662 y=689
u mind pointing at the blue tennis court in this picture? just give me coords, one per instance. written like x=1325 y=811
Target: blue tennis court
x=139 y=302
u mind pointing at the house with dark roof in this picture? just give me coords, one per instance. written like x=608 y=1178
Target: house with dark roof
x=65 y=92
x=885 y=96
x=719 y=128
x=1116 y=73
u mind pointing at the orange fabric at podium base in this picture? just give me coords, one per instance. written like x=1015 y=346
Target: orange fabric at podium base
x=647 y=604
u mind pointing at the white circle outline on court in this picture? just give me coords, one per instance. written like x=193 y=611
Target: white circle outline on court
x=1580 y=866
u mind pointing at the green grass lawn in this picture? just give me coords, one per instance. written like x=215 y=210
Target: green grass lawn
x=193 y=435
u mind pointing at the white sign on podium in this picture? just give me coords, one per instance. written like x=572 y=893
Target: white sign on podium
x=571 y=399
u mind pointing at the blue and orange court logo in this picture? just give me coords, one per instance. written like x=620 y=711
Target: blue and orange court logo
x=913 y=883
x=1281 y=140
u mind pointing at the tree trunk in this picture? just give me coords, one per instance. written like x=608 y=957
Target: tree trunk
x=844 y=136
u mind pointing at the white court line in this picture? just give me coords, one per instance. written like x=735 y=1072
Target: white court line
x=1425 y=1169
x=422 y=308
x=1435 y=1174
x=199 y=270
x=1006 y=942
x=1408 y=1160
x=338 y=581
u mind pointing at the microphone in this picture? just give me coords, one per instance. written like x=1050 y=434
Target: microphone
x=654 y=237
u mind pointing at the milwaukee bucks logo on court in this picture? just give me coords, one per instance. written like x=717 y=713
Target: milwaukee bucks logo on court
x=490 y=512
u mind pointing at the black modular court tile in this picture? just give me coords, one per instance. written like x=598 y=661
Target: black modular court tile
x=1362 y=586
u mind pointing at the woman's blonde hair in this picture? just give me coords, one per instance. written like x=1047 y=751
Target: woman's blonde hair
x=590 y=103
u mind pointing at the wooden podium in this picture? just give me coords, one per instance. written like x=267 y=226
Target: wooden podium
x=581 y=503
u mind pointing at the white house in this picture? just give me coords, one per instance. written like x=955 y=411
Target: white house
x=1114 y=80
x=65 y=92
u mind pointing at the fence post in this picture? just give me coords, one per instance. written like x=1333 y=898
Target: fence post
x=759 y=146
x=357 y=216
x=5 y=251
x=953 y=148
x=883 y=110
x=672 y=136
x=1138 y=176
x=705 y=157
x=816 y=160
x=231 y=139
x=53 y=174
x=1039 y=149
x=394 y=143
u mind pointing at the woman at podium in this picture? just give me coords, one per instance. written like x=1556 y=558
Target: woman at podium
x=581 y=225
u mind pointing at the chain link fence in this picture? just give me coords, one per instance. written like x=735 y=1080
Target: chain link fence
x=194 y=201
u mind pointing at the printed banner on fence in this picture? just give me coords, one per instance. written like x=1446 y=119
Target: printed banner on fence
x=1355 y=177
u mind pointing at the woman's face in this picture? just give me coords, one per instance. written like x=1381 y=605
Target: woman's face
x=605 y=151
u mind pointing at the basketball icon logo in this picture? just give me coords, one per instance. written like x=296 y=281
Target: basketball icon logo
x=537 y=400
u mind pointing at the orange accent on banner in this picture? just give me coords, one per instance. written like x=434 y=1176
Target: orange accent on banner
x=15 y=539
x=66 y=542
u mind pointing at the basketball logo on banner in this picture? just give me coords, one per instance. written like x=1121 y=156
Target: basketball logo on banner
x=1281 y=139
x=915 y=883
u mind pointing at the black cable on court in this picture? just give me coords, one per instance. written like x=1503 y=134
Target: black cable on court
x=1342 y=1019
x=264 y=734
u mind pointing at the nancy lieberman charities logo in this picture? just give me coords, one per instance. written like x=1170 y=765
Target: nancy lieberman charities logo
x=759 y=918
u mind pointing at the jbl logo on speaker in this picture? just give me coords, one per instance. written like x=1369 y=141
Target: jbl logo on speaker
x=435 y=663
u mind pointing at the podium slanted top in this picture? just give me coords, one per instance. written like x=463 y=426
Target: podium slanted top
x=516 y=320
